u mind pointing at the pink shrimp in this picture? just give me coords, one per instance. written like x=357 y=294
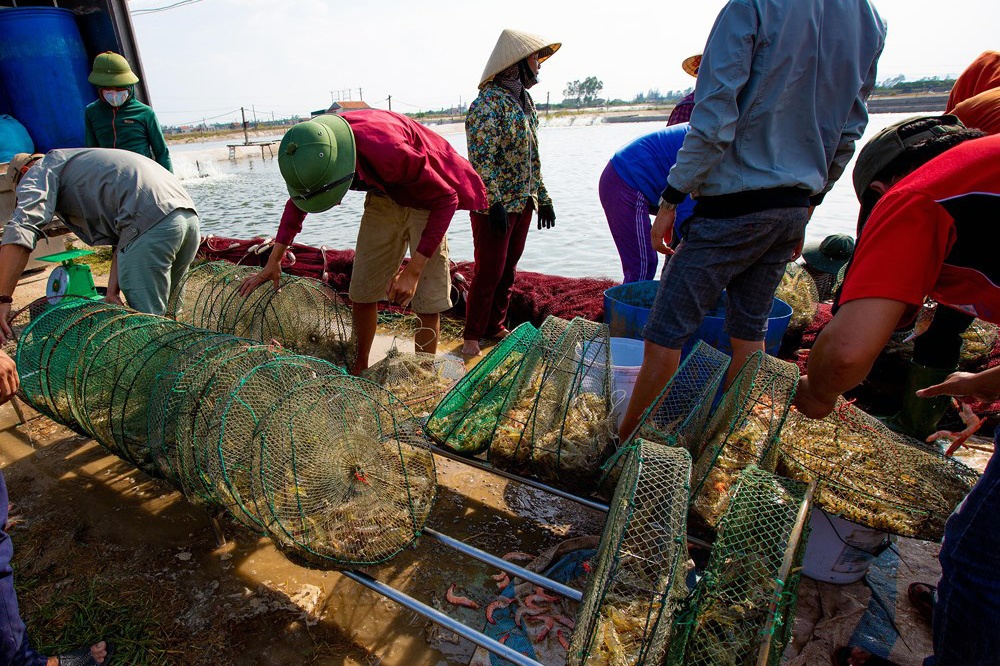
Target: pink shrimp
x=459 y=600
x=524 y=610
x=564 y=621
x=549 y=623
x=503 y=582
x=530 y=600
x=562 y=639
x=502 y=602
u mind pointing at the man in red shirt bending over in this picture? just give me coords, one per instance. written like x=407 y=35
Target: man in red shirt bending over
x=414 y=180
x=930 y=207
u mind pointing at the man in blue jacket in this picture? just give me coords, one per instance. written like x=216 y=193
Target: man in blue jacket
x=779 y=104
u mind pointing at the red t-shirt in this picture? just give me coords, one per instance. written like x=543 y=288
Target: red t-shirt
x=936 y=233
x=411 y=164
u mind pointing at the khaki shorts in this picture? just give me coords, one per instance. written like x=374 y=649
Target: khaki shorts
x=387 y=229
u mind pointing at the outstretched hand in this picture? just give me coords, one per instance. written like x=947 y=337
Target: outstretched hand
x=980 y=386
x=269 y=272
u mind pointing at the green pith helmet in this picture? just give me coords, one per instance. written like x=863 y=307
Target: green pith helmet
x=316 y=158
x=112 y=71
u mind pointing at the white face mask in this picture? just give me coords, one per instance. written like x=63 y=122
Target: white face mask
x=115 y=97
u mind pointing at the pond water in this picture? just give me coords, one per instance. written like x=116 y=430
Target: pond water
x=244 y=198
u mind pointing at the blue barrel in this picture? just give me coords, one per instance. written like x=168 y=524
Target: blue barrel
x=44 y=69
x=14 y=139
x=627 y=306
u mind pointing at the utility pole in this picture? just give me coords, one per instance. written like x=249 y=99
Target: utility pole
x=246 y=139
x=547 y=103
x=390 y=102
x=360 y=96
x=254 y=111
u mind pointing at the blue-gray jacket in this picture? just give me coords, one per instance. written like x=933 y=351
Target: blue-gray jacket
x=780 y=98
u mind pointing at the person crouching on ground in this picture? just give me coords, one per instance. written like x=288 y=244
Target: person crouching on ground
x=502 y=132
x=110 y=197
x=414 y=180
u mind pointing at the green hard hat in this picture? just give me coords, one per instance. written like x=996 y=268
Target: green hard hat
x=112 y=71
x=316 y=158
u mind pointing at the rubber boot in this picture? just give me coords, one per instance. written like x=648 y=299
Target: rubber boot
x=918 y=417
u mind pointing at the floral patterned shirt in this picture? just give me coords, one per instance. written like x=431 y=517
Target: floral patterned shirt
x=503 y=147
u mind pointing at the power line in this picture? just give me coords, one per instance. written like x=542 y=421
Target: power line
x=154 y=10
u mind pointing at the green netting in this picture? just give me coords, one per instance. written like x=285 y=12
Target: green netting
x=637 y=579
x=798 y=289
x=419 y=380
x=557 y=423
x=346 y=474
x=105 y=357
x=169 y=392
x=733 y=607
x=303 y=315
x=20 y=319
x=228 y=460
x=465 y=418
x=680 y=412
x=870 y=475
x=742 y=432
x=678 y=415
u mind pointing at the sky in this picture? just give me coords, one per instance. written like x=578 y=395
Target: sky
x=204 y=59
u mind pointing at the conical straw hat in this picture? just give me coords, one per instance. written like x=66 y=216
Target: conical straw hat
x=512 y=46
x=691 y=65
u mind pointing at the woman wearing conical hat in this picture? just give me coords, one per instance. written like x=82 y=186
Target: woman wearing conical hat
x=502 y=132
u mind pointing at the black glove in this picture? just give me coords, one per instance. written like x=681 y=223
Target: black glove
x=498 y=219
x=546 y=216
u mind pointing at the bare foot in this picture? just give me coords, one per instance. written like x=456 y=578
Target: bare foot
x=471 y=348
x=501 y=334
x=98 y=653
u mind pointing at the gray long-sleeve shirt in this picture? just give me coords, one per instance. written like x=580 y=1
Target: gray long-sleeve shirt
x=105 y=196
x=780 y=98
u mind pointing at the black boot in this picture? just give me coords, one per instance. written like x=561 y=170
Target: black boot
x=918 y=417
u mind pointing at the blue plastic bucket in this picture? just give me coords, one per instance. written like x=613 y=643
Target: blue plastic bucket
x=713 y=328
x=44 y=69
x=14 y=139
x=627 y=306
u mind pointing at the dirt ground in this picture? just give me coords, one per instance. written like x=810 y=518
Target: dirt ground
x=103 y=551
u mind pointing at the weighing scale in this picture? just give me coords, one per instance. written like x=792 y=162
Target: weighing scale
x=69 y=278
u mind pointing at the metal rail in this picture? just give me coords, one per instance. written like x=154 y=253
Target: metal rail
x=437 y=617
x=504 y=565
x=490 y=469
x=472 y=462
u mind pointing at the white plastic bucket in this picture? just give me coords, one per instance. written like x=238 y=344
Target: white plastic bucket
x=626 y=359
x=840 y=551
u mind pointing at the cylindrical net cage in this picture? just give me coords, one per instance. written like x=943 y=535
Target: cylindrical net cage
x=742 y=432
x=731 y=608
x=336 y=468
x=302 y=314
x=798 y=289
x=557 y=423
x=870 y=475
x=346 y=475
x=465 y=418
x=679 y=414
x=419 y=380
x=638 y=573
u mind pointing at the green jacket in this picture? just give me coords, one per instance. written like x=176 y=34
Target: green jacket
x=132 y=126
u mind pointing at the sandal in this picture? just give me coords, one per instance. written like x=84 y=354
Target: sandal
x=921 y=596
x=842 y=657
x=82 y=657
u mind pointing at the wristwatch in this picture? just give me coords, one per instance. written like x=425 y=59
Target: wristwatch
x=666 y=204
